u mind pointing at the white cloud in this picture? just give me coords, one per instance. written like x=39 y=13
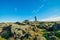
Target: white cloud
x=42 y=6
x=36 y=11
x=51 y=19
x=42 y=2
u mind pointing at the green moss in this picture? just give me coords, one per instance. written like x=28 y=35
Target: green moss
x=57 y=34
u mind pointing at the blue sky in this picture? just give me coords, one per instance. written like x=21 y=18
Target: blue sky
x=19 y=10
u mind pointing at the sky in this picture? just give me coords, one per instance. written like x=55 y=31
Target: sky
x=19 y=10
